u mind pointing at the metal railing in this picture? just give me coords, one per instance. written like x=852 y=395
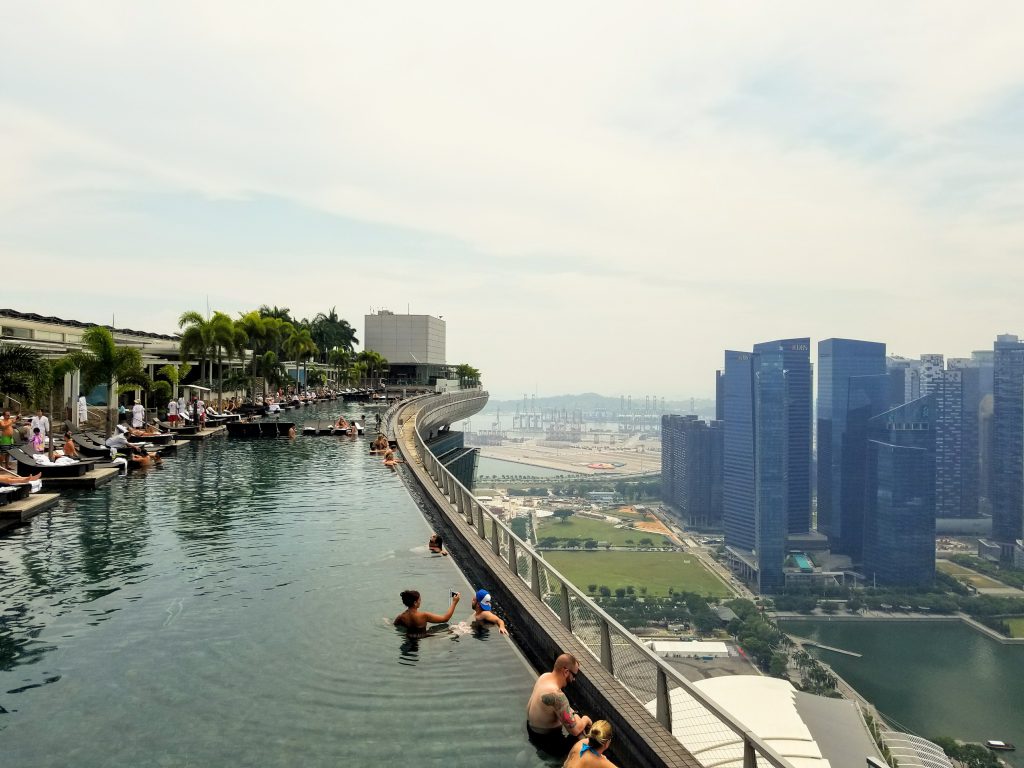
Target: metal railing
x=709 y=732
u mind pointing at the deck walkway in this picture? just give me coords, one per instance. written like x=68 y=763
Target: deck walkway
x=93 y=479
x=18 y=512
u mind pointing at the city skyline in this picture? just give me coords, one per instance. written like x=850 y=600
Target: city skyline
x=604 y=179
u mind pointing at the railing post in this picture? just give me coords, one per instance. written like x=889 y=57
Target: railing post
x=513 y=561
x=606 y=647
x=566 y=613
x=663 y=713
x=749 y=756
x=495 y=537
x=535 y=576
x=482 y=525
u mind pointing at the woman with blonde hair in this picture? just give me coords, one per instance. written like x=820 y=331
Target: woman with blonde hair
x=589 y=751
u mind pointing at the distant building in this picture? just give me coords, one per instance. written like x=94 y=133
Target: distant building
x=1008 y=441
x=413 y=345
x=685 y=649
x=853 y=386
x=738 y=451
x=691 y=469
x=899 y=512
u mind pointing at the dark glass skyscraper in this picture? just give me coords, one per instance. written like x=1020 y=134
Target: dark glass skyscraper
x=691 y=469
x=738 y=451
x=899 y=510
x=1008 y=440
x=767 y=452
x=852 y=387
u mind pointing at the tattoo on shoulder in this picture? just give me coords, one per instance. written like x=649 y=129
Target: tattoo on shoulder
x=560 y=704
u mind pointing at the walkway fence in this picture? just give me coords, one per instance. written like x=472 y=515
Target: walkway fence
x=710 y=733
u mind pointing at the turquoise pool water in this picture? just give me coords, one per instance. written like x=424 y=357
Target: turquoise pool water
x=233 y=608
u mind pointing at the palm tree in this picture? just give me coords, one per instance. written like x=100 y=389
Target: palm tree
x=49 y=376
x=300 y=346
x=465 y=371
x=174 y=374
x=226 y=338
x=255 y=329
x=280 y=313
x=17 y=367
x=375 y=362
x=340 y=359
x=103 y=362
x=196 y=339
x=330 y=332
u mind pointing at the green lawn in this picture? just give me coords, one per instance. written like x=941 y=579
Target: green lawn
x=966 y=575
x=584 y=528
x=655 y=570
x=1016 y=626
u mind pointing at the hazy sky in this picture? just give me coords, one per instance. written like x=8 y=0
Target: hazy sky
x=596 y=196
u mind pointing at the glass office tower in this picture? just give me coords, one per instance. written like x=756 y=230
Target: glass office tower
x=845 y=401
x=738 y=451
x=899 y=509
x=1008 y=440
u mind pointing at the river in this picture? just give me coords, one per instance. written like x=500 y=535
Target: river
x=233 y=608
x=935 y=678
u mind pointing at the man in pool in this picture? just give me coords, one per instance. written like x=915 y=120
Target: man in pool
x=415 y=620
x=548 y=710
x=482 y=611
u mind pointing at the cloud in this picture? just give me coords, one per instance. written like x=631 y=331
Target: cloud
x=573 y=188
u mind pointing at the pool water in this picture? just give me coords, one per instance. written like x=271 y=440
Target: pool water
x=233 y=608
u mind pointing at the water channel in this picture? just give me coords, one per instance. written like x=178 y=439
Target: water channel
x=233 y=607
x=935 y=678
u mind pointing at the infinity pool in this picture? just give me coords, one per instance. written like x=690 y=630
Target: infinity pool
x=233 y=608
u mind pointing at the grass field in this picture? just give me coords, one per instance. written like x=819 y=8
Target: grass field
x=1016 y=626
x=966 y=575
x=655 y=570
x=584 y=528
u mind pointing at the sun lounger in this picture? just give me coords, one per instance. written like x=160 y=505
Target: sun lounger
x=27 y=465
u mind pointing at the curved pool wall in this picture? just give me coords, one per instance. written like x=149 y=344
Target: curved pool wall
x=621 y=680
x=233 y=608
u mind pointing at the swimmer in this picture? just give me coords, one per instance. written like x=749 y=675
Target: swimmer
x=390 y=460
x=380 y=444
x=548 y=710
x=436 y=546
x=482 y=611
x=415 y=620
x=588 y=752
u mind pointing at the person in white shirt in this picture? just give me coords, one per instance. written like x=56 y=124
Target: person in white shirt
x=138 y=415
x=42 y=422
x=172 y=412
x=83 y=410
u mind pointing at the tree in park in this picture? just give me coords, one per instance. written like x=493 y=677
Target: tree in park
x=605 y=592
x=591 y=588
x=590 y=544
x=563 y=514
x=645 y=542
x=620 y=592
x=572 y=544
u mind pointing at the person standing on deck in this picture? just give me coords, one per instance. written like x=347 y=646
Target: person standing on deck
x=42 y=422
x=6 y=437
x=138 y=415
x=172 y=412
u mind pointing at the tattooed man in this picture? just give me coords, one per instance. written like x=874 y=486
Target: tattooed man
x=548 y=712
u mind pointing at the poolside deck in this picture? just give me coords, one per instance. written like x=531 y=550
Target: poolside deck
x=94 y=479
x=203 y=434
x=19 y=512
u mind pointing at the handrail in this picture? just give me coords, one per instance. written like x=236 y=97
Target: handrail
x=620 y=652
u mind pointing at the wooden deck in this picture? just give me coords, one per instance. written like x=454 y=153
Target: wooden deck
x=19 y=512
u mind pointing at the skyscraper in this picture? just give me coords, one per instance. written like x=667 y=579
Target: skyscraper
x=899 y=509
x=1008 y=440
x=767 y=452
x=691 y=469
x=852 y=387
x=738 y=451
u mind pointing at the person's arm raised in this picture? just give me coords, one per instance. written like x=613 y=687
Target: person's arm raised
x=435 y=618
